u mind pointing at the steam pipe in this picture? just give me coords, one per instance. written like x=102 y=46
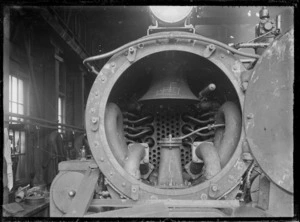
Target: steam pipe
x=208 y=114
x=187 y=128
x=127 y=114
x=139 y=121
x=136 y=152
x=209 y=127
x=138 y=135
x=185 y=117
x=133 y=129
x=226 y=140
x=208 y=153
x=115 y=133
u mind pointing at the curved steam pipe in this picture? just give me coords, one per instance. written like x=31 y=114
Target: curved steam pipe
x=195 y=120
x=208 y=153
x=226 y=139
x=187 y=128
x=139 y=121
x=133 y=129
x=136 y=152
x=115 y=133
x=128 y=114
x=138 y=135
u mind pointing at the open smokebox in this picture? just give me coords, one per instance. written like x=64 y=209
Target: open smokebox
x=157 y=100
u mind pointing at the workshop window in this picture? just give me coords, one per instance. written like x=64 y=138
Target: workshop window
x=18 y=154
x=61 y=112
x=16 y=96
x=17 y=134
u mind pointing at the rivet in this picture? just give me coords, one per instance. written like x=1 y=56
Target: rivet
x=250 y=116
x=211 y=47
x=103 y=79
x=141 y=45
x=234 y=68
x=131 y=50
x=97 y=93
x=94 y=120
x=93 y=110
x=123 y=184
x=101 y=159
x=96 y=143
x=111 y=173
x=133 y=189
x=113 y=64
x=72 y=193
x=222 y=56
x=203 y=196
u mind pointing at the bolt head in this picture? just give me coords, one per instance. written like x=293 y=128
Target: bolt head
x=203 y=196
x=214 y=188
x=250 y=116
x=211 y=47
x=72 y=193
x=94 y=120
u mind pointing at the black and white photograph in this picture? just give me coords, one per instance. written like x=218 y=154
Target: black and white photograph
x=148 y=111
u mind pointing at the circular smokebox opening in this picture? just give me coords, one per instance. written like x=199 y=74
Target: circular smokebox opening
x=162 y=115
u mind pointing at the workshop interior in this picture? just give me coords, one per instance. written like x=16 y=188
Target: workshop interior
x=148 y=111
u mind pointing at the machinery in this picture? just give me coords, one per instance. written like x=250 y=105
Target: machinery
x=180 y=126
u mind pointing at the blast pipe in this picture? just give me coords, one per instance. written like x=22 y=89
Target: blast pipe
x=208 y=153
x=136 y=152
x=227 y=139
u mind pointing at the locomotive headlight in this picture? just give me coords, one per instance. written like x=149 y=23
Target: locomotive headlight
x=171 y=14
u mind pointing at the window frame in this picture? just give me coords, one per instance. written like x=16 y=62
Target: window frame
x=18 y=128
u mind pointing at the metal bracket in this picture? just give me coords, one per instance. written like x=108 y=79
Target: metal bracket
x=95 y=123
x=135 y=192
x=213 y=189
x=210 y=49
x=131 y=54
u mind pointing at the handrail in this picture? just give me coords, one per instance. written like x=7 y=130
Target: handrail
x=165 y=36
x=75 y=128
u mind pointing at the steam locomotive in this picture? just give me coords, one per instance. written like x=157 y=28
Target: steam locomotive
x=180 y=126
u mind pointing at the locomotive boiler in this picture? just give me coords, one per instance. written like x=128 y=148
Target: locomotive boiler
x=180 y=126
